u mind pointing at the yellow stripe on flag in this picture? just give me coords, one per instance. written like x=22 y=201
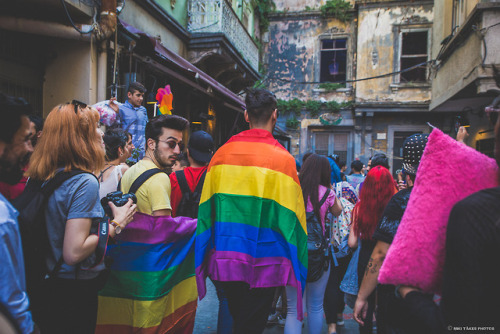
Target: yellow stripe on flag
x=145 y=313
x=233 y=179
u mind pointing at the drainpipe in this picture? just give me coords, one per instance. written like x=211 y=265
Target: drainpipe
x=102 y=58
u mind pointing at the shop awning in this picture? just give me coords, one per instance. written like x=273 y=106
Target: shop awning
x=189 y=73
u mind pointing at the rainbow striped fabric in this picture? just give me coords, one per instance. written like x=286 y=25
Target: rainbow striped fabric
x=251 y=221
x=152 y=285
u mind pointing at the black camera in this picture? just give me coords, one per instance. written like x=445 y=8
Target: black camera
x=118 y=198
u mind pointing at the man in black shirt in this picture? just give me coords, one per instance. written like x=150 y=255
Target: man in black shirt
x=392 y=317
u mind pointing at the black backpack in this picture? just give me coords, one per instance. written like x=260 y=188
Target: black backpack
x=317 y=249
x=190 y=201
x=31 y=205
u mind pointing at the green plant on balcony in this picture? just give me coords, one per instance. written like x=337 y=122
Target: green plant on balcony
x=263 y=8
x=292 y=122
x=338 y=9
x=331 y=86
x=293 y=106
x=313 y=107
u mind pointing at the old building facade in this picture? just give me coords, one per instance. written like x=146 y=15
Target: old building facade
x=204 y=49
x=369 y=67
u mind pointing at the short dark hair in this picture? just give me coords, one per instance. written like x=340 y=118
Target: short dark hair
x=38 y=122
x=136 y=86
x=357 y=165
x=342 y=164
x=155 y=126
x=260 y=104
x=183 y=160
x=11 y=111
x=380 y=159
x=307 y=155
x=114 y=139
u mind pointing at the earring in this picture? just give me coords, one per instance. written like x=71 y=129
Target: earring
x=121 y=154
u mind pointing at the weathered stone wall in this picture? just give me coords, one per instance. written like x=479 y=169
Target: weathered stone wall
x=378 y=32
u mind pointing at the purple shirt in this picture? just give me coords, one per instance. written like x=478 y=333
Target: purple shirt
x=330 y=201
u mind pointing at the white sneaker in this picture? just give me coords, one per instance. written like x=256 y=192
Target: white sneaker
x=340 y=320
x=281 y=321
x=272 y=317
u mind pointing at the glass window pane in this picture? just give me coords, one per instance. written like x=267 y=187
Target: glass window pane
x=340 y=43
x=414 y=43
x=327 y=44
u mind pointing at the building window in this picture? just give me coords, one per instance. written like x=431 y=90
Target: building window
x=327 y=143
x=333 y=60
x=414 y=51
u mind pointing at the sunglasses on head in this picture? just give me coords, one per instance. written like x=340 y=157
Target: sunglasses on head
x=78 y=104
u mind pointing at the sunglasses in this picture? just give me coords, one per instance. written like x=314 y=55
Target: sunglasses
x=77 y=104
x=492 y=114
x=172 y=144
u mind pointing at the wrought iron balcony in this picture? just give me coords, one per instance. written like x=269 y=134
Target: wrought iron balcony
x=217 y=16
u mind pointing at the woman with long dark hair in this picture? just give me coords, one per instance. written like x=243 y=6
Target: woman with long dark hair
x=66 y=302
x=315 y=181
x=119 y=147
x=378 y=188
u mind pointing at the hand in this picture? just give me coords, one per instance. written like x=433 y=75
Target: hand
x=462 y=134
x=360 y=309
x=113 y=105
x=403 y=290
x=402 y=185
x=123 y=214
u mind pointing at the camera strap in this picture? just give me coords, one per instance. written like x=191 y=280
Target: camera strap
x=103 y=234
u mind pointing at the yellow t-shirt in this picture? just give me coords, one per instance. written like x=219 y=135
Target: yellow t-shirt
x=154 y=194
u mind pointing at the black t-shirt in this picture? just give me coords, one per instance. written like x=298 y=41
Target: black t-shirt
x=470 y=281
x=391 y=218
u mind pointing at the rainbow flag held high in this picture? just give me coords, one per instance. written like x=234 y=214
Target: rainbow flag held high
x=165 y=99
x=152 y=287
x=251 y=220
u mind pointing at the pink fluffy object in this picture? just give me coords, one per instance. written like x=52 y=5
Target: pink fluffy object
x=448 y=172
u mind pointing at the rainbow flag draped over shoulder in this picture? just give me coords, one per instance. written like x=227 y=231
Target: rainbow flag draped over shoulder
x=251 y=220
x=151 y=288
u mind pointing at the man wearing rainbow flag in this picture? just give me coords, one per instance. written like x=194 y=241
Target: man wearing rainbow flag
x=152 y=287
x=251 y=234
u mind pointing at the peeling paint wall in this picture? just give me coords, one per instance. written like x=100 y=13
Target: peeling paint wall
x=377 y=52
x=293 y=54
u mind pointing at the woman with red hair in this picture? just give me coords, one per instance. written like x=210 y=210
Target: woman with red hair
x=66 y=302
x=378 y=189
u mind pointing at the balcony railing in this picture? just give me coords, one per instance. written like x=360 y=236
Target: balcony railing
x=217 y=16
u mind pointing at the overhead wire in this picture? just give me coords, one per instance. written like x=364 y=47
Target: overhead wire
x=73 y=23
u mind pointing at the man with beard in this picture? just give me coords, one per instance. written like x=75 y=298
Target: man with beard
x=153 y=282
x=11 y=191
x=15 y=144
x=163 y=145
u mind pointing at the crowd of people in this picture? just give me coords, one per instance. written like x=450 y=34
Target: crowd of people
x=241 y=215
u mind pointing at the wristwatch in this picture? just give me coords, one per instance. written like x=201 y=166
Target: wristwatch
x=118 y=228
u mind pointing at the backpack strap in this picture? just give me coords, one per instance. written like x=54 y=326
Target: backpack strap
x=51 y=185
x=325 y=196
x=143 y=178
x=199 y=186
x=181 y=179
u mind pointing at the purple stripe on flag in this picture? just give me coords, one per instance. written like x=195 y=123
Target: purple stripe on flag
x=148 y=229
x=257 y=272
